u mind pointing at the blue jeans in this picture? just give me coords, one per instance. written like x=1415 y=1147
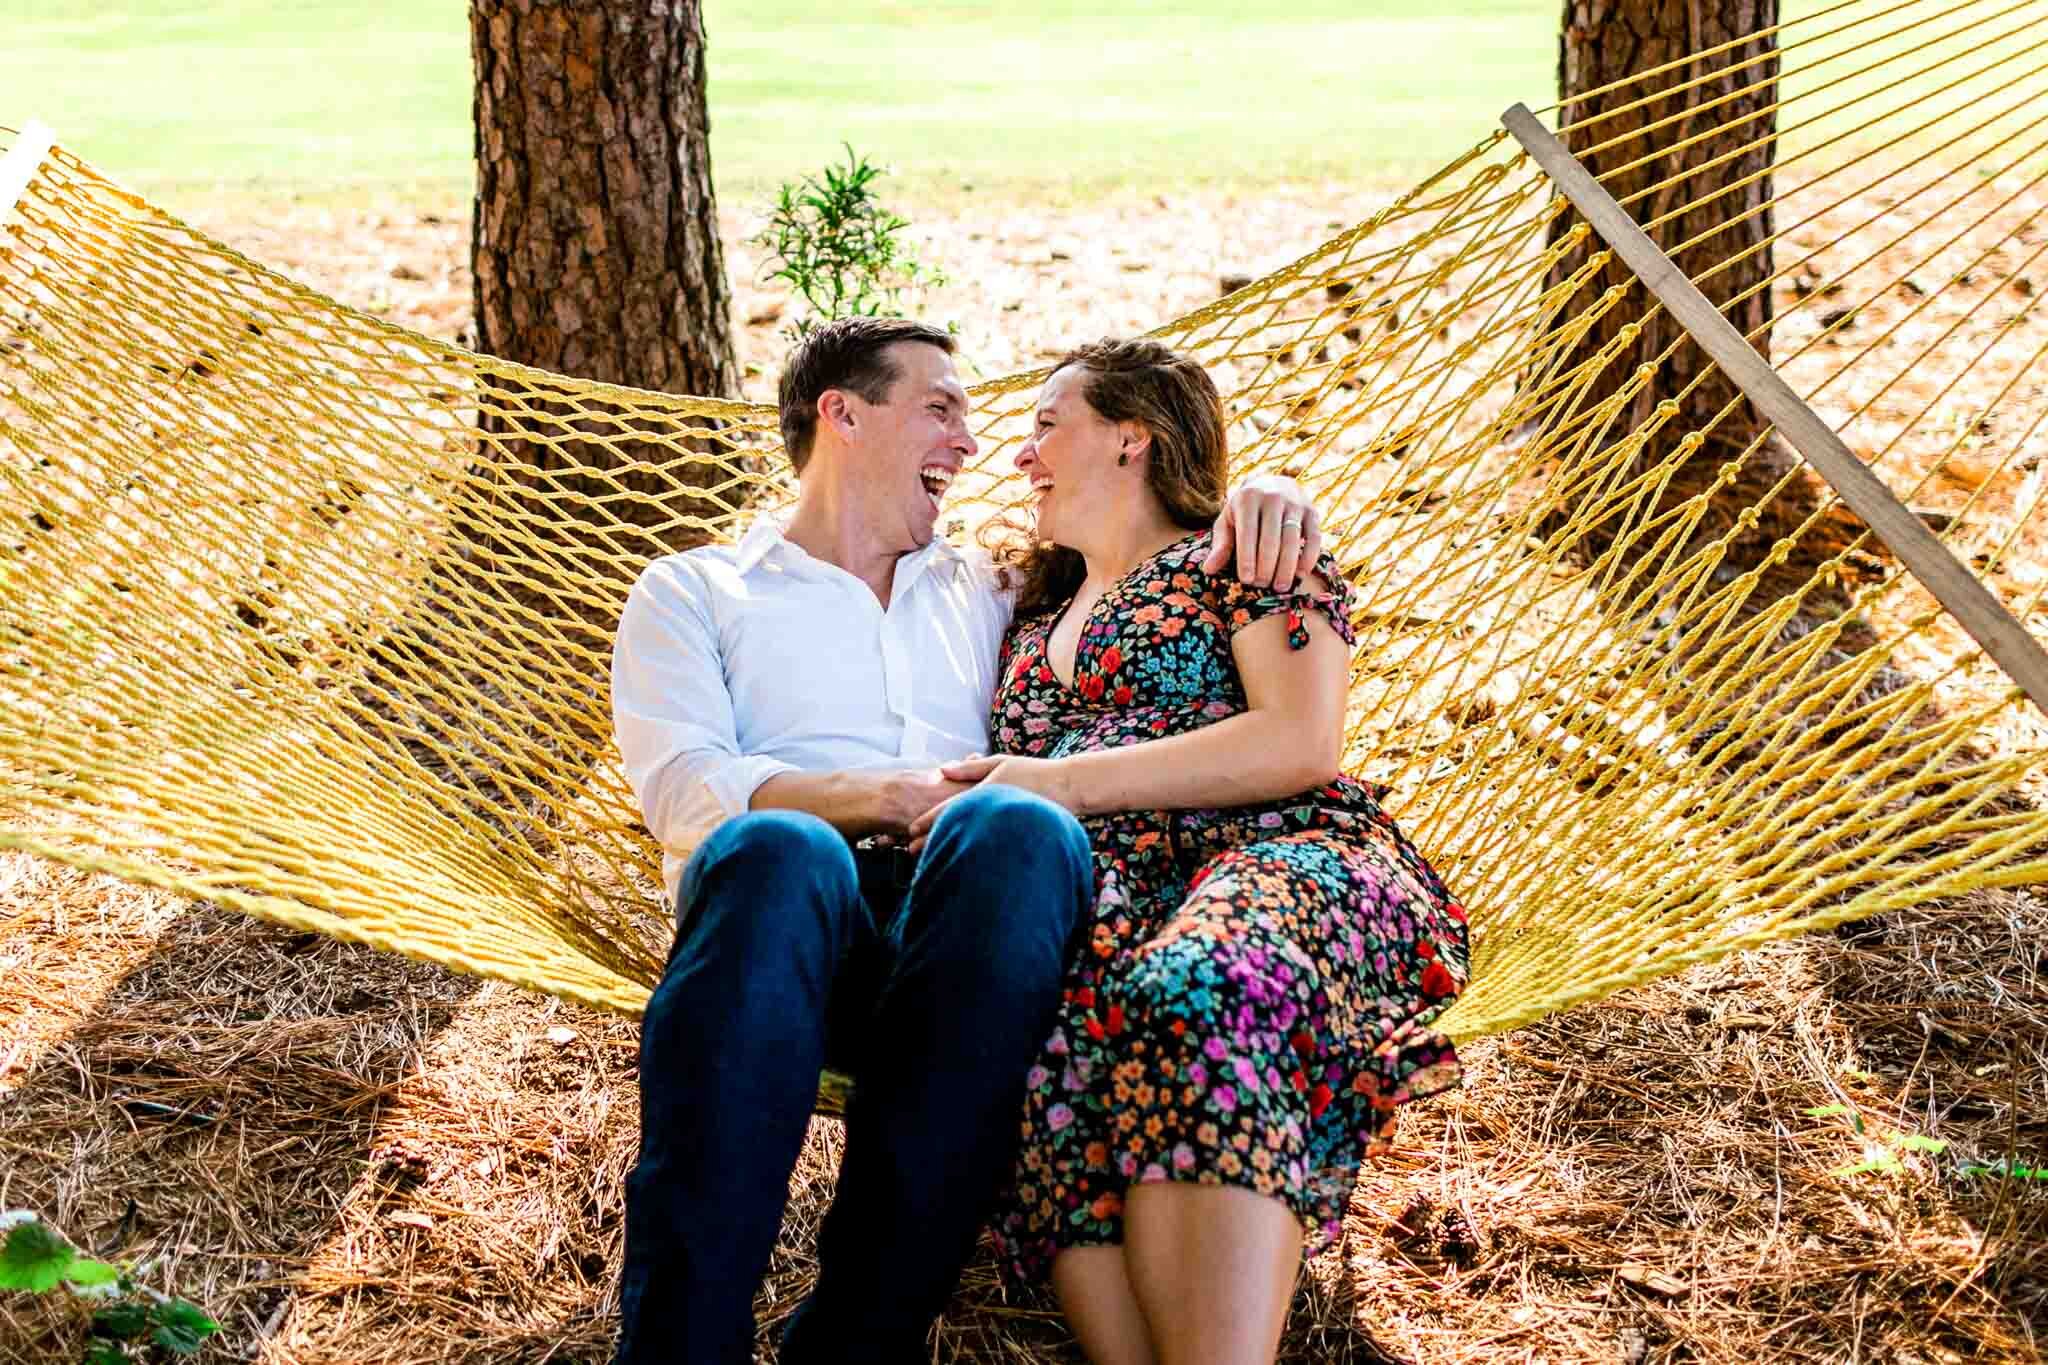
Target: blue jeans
x=935 y=990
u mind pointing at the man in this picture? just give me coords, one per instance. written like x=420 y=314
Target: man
x=783 y=705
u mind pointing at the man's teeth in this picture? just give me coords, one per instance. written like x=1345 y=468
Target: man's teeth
x=936 y=479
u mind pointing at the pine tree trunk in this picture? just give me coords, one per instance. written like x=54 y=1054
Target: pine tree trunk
x=595 y=246
x=1604 y=41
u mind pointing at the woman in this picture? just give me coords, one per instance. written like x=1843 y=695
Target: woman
x=1268 y=952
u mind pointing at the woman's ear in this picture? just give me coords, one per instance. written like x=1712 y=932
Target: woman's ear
x=1135 y=439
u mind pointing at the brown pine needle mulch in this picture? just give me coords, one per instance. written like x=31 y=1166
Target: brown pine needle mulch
x=348 y=1157
x=351 y=1158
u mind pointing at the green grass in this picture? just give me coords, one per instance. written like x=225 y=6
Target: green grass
x=1015 y=99
x=1055 y=100
x=1164 y=95
x=247 y=95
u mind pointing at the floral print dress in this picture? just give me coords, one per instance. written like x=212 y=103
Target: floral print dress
x=1255 y=996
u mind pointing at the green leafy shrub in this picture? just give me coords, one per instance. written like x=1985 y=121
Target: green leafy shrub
x=128 y=1316
x=830 y=239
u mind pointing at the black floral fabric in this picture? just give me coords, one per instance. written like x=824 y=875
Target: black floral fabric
x=1256 y=995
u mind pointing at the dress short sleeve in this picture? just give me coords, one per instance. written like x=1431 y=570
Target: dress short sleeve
x=1240 y=605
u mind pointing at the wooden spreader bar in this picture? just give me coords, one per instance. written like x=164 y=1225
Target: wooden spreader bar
x=1993 y=627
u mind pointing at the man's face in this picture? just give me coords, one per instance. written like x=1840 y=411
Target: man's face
x=910 y=445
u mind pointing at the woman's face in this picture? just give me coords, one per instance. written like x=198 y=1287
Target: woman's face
x=1071 y=461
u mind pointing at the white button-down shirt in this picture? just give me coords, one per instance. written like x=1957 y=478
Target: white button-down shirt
x=735 y=663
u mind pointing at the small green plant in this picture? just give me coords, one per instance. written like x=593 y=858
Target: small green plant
x=128 y=1316
x=831 y=240
x=1885 y=1149
x=1889 y=1146
x=2003 y=1168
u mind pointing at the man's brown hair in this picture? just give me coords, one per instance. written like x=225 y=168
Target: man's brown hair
x=846 y=353
x=1188 y=466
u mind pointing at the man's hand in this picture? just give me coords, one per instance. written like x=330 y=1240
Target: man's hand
x=907 y=796
x=1274 y=529
x=1041 y=775
x=861 y=803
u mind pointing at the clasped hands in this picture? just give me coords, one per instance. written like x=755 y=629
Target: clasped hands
x=925 y=791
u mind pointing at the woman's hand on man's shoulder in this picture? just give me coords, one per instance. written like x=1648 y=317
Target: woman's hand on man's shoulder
x=1273 y=529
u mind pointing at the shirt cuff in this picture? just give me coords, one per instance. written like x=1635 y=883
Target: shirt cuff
x=734 y=784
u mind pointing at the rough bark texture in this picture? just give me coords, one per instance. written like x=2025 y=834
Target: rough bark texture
x=596 y=246
x=1604 y=41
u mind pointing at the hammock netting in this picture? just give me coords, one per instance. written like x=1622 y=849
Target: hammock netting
x=308 y=615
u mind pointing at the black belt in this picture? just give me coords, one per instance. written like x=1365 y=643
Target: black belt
x=894 y=861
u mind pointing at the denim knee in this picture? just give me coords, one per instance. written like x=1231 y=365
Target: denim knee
x=1020 y=823
x=775 y=841
x=767 y=874
x=1019 y=866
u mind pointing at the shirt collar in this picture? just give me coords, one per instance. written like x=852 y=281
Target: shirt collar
x=761 y=538
x=915 y=565
x=764 y=537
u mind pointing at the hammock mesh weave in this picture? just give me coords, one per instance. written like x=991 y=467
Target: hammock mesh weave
x=308 y=615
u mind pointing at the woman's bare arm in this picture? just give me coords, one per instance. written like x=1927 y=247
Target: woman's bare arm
x=1289 y=739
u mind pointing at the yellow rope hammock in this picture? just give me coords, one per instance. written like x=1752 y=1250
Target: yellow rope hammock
x=309 y=615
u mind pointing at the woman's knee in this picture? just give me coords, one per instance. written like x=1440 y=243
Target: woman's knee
x=1170 y=978
x=1252 y=980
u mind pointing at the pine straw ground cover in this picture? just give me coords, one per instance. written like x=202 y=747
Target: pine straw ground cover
x=351 y=1158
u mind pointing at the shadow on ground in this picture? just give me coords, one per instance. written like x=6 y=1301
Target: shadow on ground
x=205 y=1104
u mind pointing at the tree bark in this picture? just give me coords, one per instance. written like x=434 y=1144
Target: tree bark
x=595 y=245
x=1604 y=41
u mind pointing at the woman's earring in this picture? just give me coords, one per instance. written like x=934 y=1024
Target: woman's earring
x=1123 y=459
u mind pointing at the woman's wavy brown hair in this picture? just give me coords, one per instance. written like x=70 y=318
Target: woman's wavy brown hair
x=1173 y=398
